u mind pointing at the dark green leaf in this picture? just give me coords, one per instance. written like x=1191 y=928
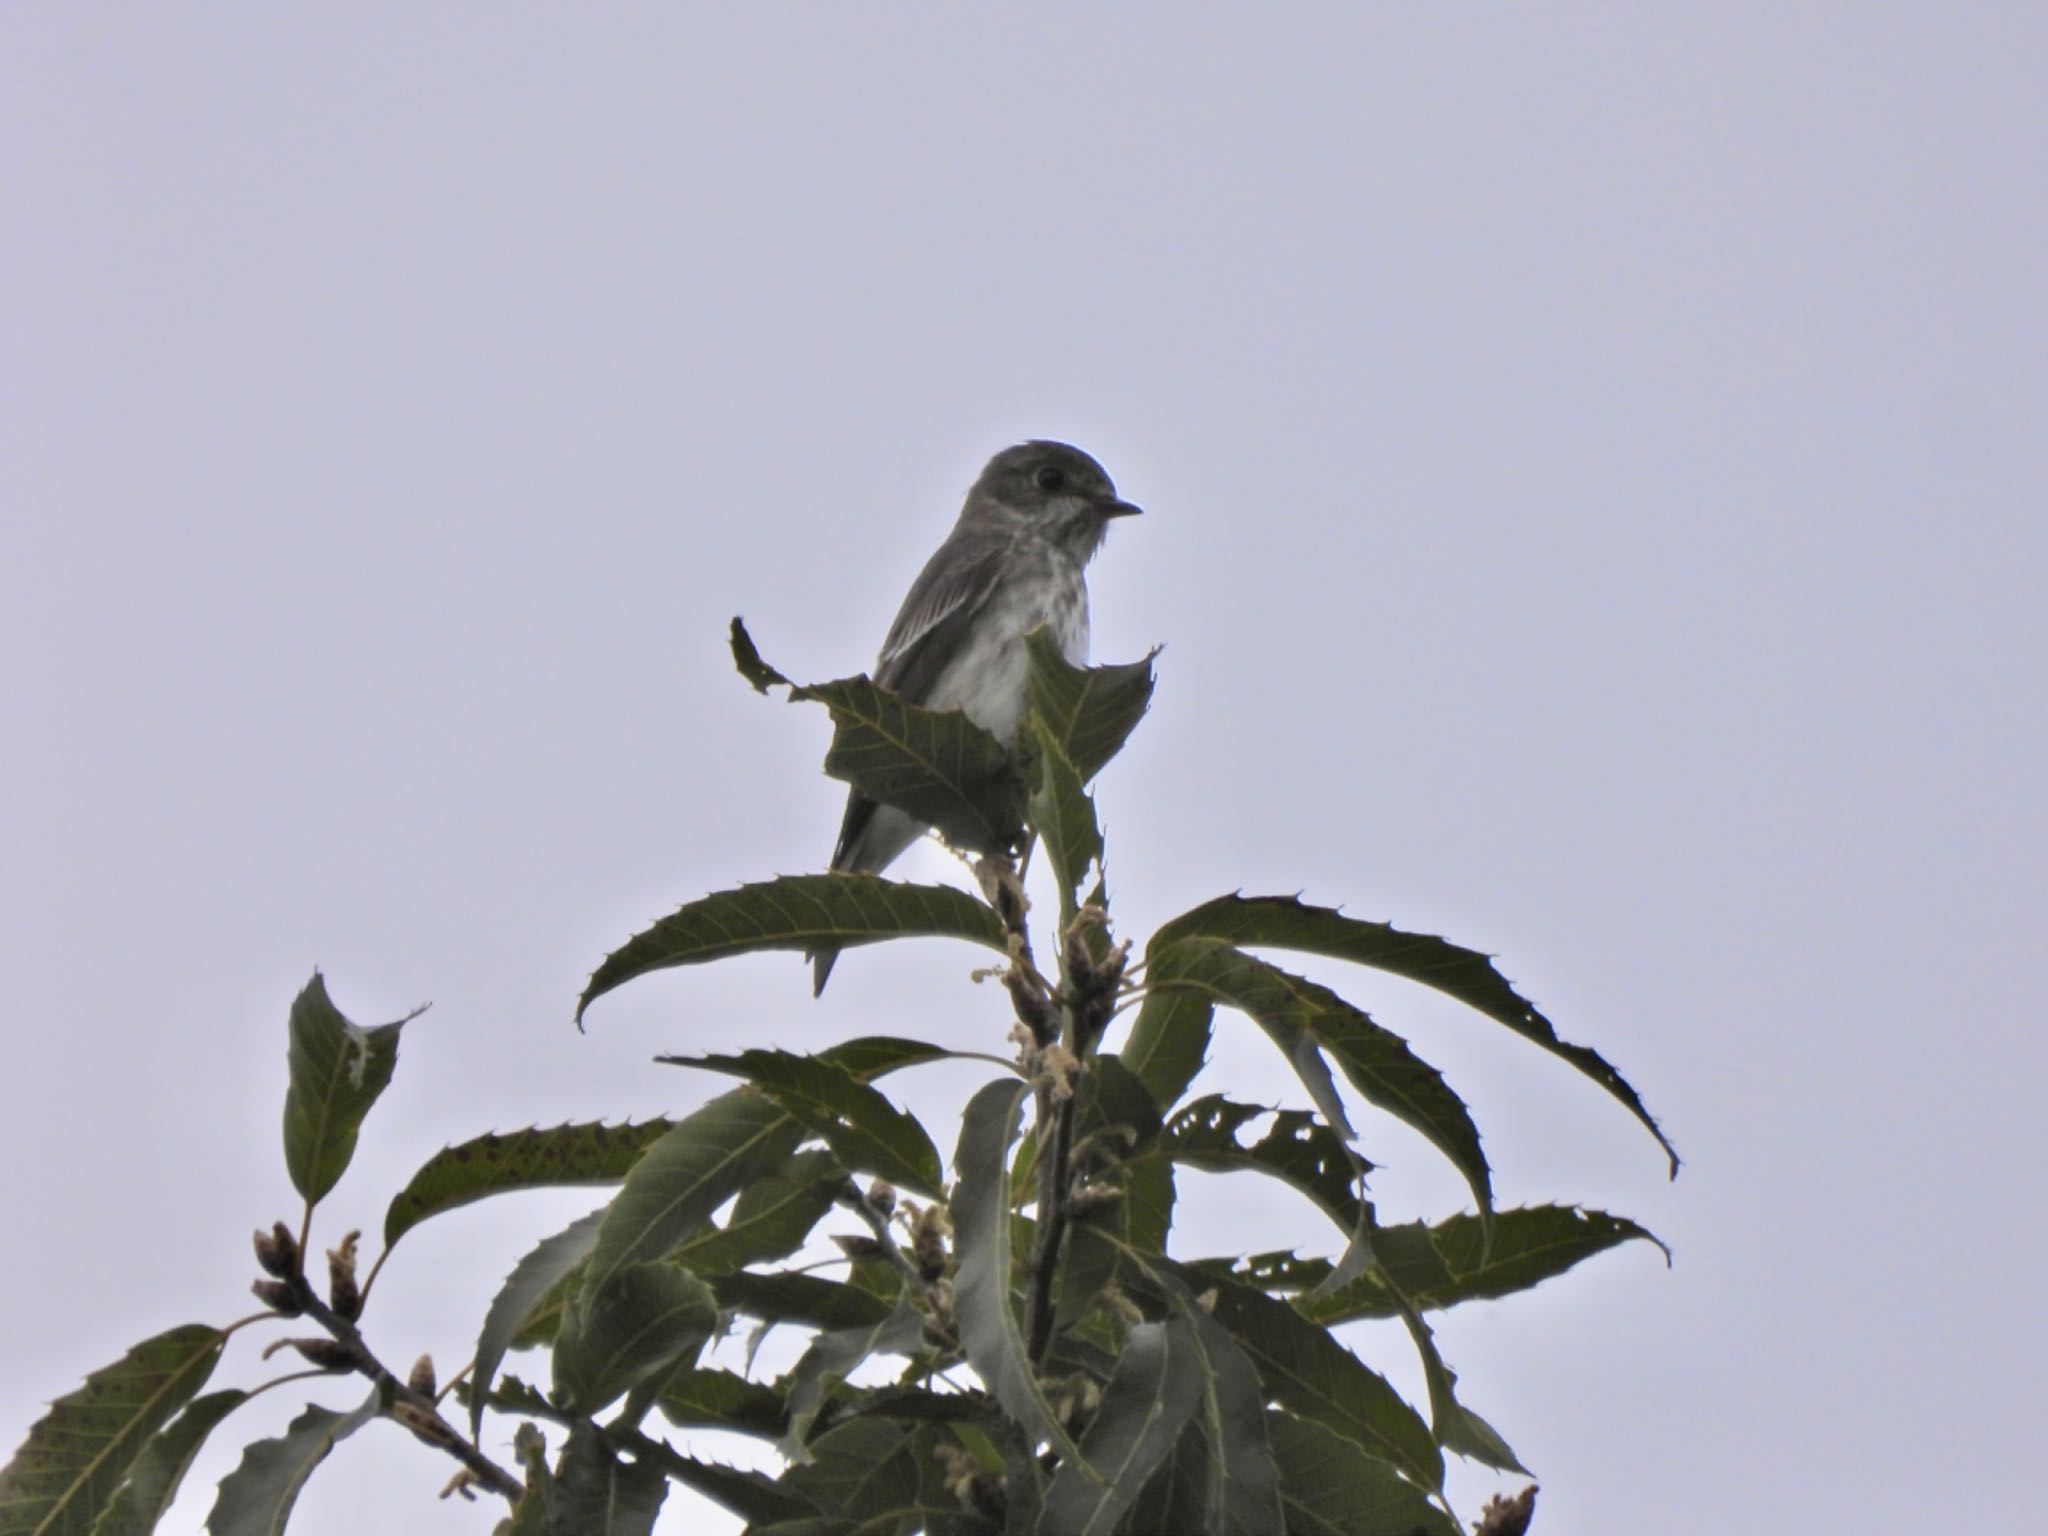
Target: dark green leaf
x=679 y=1181
x=1170 y=1039
x=1306 y=1370
x=808 y=1300
x=834 y=1356
x=983 y=1246
x=586 y=1153
x=863 y=1129
x=154 y=1477
x=1306 y=1020
x=1439 y=1266
x=1220 y=1476
x=536 y=1277
x=753 y=1496
x=77 y=1454
x=748 y=660
x=799 y=912
x=861 y=1469
x=337 y=1071
x=1063 y=815
x=1091 y=711
x=1283 y=922
x=633 y=1330
x=1297 y=1148
x=1457 y=1427
x=1155 y=1389
x=597 y=1494
x=725 y=1401
x=1330 y=1489
x=256 y=1498
x=771 y=1218
x=941 y=768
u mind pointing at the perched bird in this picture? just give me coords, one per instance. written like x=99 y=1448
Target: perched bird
x=1012 y=562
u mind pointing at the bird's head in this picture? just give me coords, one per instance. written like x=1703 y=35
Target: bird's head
x=1054 y=488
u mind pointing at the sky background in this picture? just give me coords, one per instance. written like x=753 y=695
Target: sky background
x=1595 y=478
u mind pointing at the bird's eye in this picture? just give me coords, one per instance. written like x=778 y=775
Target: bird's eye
x=1050 y=479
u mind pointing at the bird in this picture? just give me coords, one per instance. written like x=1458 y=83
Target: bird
x=1013 y=562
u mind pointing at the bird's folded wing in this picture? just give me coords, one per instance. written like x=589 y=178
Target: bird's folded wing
x=930 y=630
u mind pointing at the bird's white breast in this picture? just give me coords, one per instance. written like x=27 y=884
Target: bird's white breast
x=986 y=680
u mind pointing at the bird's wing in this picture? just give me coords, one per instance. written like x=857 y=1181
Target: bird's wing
x=954 y=584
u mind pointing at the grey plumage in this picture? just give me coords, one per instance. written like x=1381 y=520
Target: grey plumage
x=1013 y=561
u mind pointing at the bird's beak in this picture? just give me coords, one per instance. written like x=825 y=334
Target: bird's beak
x=1118 y=509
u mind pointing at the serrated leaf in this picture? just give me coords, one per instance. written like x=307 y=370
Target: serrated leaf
x=860 y=1125
x=720 y=1399
x=860 y=1469
x=1220 y=1476
x=1439 y=1266
x=256 y=1498
x=771 y=1218
x=1310 y=1373
x=811 y=1301
x=799 y=912
x=1284 y=922
x=834 y=1356
x=703 y=1161
x=1154 y=1390
x=1063 y=815
x=1330 y=1489
x=633 y=1330
x=338 y=1069
x=983 y=1248
x=546 y=1267
x=1296 y=1148
x=597 y=1494
x=154 y=1477
x=1090 y=711
x=76 y=1456
x=748 y=659
x=1308 y=1021
x=1457 y=1427
x=584 y=1153
x=1170 y=1039
x=753 y=1496
x=939 y=767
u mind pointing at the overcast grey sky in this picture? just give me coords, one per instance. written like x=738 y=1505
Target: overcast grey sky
x=1595 y=473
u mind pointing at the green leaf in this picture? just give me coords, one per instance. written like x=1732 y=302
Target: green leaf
x=861 y=1469
x=771 y=1218
x=636 y=1328
x=1331 y=1489
x=1154 y=1391
x=584 y=1153
x=1170 y=1039
x=154 y=1477
x=862 y=1128
x=596 y=1494
x=1063 y=815
x=77 y=1454
x=1090 y=711
x=799 y=912
x=1220 y=1476
x=1283 y=922
x=679 y=1181
x=533 y=1278
x=1298 y=1148
x=1439 y=1266
x=748 y=660
x=810 y=1301
x=1306 y=1370
x=338 y=1069
x=834 y=1356
x=1457 y=1427
x=983 y=1247
x=1306 y=1020
x=941 y=768
x=753 y=1496
x=724 y=1401
x=256 y=1498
